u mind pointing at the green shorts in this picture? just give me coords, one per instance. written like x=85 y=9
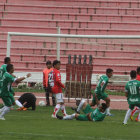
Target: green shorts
x=82 y=117
x=8 y=100
x=102 y=96
x=87 y=110
x=131 y=106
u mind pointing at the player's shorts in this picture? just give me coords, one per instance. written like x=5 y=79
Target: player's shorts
x=82 y=117
x=102 y=96
x=88 y=109
x=59 y=98
x=8 y=100
x=131 y=106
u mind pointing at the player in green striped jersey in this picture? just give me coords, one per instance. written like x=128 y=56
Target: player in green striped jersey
x=5 y=90
x=100 y=90
x=90 y=114
x=132 y=92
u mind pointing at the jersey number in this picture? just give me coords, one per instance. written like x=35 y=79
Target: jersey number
x=133 y=90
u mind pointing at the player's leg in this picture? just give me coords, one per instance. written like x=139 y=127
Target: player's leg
x=63 y=109
x=59 y=101
x=53 y=100
x=107 y=100
x=137 y=111
x=82 y=105
x=128 y=113
x=95 y=100
x=81 y=117
x=7 y=101
x=47 y=96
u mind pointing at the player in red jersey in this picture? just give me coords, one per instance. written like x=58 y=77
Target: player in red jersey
x=136 y=110
x=56 y=86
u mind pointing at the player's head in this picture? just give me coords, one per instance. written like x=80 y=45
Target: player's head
x=133 y=74
x=49 y=64
x=56 y=64
x=7 y=60
x=102 y=107
x=109 y=72
x=138 y=70
x=10 y=68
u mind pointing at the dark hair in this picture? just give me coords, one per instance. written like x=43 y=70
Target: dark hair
x=55 y=62
x=109 y=70
x=104 y=106
x=138 y=70
x=133 y=74
x=9 y=67
x=48 y=62
x=6 y=60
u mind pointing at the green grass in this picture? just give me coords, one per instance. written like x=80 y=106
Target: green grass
x=38 y=125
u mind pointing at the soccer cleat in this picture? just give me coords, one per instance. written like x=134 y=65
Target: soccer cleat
x=124 y=123
x=137 y=118
x=53 y=116
x=131 y=118
x=109 y=114
x=24 y=109
x=75 y=109
x=2 y=118
x=59 y=117
x=21 y=108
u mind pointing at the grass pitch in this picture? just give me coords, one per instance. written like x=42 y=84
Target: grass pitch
x=38 y=125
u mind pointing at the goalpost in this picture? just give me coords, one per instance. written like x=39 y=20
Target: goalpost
x=87 y=43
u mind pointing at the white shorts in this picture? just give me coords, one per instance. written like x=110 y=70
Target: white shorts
x=59 y=98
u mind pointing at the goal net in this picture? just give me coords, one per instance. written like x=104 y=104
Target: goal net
x=30 y=51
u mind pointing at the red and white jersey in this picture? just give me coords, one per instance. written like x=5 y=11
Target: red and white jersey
x=55 y=81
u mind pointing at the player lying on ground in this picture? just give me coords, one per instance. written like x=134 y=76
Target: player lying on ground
x=26 y=101
x=90 y=114
x=132 y=92
x=5 y=90
x=100 y=88
x=136 y=110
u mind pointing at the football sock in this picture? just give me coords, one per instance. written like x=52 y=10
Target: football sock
x=56 y=109
x=80 y=105
x=136 y=110
x=5 y=111
x=69 y=117
x=128 y=113
x=108 y=111
x=18 y=103
x=63 y=110
x=1 y=110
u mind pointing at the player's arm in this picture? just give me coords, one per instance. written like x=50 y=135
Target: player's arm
x=58 y=80
x=17 y=80
x=126 y=91
x=44 y=81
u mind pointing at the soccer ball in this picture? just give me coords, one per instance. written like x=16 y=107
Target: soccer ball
x=41 y=103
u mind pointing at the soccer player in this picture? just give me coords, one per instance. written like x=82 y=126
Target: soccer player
x=137 y=108
x=132 y=92
x=5 y=90
x=55 y=79
x=47 y=88
x=99 y=91
x=25 y=101
x=90 y=114
x=7 y=61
